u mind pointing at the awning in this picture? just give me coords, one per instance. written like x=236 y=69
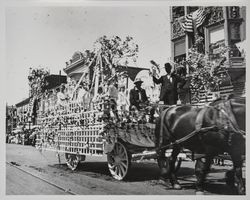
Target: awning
x=241 y=45
x=131 y=71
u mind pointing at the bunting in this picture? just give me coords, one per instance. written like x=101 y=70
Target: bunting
x=197 y=17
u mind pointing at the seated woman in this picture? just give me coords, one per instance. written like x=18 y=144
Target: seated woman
x=113 y=97
x=81 y=93
x=61 y=97
x=122 y=101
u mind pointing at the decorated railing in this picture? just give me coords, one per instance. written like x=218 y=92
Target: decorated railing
x=71 y=128
x=74 y=129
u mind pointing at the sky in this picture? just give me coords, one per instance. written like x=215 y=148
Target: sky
x=49 y=36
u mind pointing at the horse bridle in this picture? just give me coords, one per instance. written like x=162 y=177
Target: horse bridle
x=231 y=118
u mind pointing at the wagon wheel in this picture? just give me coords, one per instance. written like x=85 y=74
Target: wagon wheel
x=72 y=160
x=119 y=161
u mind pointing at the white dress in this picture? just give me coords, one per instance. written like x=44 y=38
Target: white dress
x=61 y=99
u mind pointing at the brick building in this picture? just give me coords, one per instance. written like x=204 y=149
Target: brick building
x=219 y=26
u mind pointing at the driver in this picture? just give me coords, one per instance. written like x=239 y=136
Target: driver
x=138 y=96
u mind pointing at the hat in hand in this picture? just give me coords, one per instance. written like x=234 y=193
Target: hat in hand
x=138 y=80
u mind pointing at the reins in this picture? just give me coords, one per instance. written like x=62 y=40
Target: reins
x=198 y=124
x=198 y=129
x=185 y=138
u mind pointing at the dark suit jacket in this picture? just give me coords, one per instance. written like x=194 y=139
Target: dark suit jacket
x=134 y=97
x=168 y=89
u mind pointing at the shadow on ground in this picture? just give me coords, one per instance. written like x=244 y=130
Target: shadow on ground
x=141 y=172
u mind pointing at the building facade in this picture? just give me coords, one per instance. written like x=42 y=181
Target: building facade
x=78 y=65
x=27 y=109
x=47 y=98
x=218 y=26
x=22 y=110
x=11 y=118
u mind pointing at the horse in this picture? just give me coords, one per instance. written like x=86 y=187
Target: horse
x=207 y=131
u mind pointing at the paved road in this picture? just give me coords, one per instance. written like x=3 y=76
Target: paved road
x=21 y=183
x=92 y=177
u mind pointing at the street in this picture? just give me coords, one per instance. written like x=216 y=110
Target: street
x=30 y=172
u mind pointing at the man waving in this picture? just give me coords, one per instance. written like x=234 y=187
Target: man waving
x=168 y=82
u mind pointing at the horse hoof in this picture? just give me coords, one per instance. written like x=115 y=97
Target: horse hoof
x=240 y=190
x=230 y=180
x=177 y=186
x=199 y=193
x=165 y=183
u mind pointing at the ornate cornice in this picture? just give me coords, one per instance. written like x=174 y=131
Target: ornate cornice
x=177 y=30
x=215 y=16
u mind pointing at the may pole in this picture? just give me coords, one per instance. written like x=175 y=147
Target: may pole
x=97 y=72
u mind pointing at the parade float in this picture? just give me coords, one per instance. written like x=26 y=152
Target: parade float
x=90 y=126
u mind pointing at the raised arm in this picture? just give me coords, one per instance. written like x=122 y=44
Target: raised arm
x=156 y=80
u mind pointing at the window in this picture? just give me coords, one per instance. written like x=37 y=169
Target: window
x=179 y=47
x=217 y=34
x=215 y=41
x=192 y=9
x=177 y=11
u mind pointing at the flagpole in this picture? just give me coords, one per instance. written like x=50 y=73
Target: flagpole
x=186 y=41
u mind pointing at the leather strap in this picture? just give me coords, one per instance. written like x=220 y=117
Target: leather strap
x=163 y=115
x=199 y=118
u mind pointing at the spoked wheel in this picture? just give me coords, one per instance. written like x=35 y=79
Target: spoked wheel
x=119 y=161
x=72 y=160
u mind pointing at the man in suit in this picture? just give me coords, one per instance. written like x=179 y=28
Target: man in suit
x=137 y=95
x=169 y=83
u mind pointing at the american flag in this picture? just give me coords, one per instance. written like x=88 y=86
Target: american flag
x=197 y=16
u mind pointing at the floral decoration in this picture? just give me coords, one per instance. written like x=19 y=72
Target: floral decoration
x=206 y=72
x=37 y=80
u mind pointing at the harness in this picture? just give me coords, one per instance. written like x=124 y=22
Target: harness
x=229 y=117
x=164 y=128
x=226 y=110
x=229 y=122
x=198 y=129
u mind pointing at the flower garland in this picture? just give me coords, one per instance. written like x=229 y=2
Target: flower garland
x=206 y=73
x=37 y=80
x=114 y=52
